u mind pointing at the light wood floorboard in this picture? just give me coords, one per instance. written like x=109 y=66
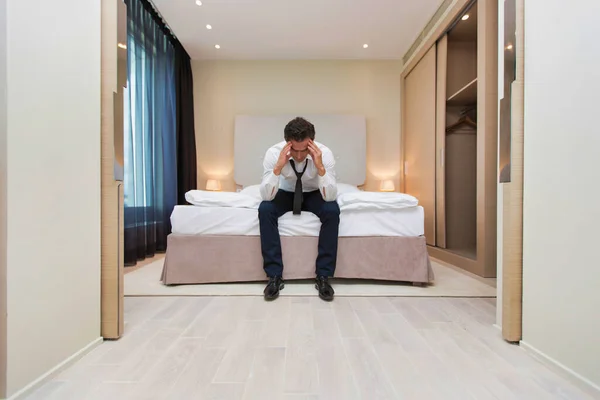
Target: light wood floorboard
x=301 y=348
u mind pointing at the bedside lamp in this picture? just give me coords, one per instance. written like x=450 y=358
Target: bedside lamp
x=213 y=185
x=387 y=186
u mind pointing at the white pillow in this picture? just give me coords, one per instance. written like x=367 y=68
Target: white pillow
x=376 y=200
x=346 y=188
x=205 y=198
x=252 y=191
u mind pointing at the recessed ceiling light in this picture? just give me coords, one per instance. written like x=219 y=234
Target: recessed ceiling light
x=121 y=45
x=465 y=17
x=217 y=46
x=208 y=27
x=365 y=46
x=198 y=3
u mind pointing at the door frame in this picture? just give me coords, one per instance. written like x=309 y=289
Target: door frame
x=113 y=29
x=512 y=224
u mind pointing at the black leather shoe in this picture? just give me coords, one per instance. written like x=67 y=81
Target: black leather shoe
x=273 y=287
x=326 y=292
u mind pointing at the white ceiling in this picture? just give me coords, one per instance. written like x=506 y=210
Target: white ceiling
x=297 y=29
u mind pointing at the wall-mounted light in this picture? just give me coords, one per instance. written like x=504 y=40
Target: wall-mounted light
x=213 y=185
x=121 y=45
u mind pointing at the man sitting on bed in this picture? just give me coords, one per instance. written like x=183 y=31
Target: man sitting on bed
x=299 y=175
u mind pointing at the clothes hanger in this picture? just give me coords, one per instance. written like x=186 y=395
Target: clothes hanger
x=464 y=120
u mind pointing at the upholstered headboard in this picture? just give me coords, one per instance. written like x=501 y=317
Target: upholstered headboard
x=345 y=135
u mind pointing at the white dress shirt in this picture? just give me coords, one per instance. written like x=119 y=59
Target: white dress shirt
x=311 y=180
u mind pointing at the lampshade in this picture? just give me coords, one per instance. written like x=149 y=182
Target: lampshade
x=213 y=184
x=387 y=186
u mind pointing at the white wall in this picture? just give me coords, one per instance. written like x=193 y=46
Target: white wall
x=53 y=184
x=223 y=89
x=2 y=198
x=561 y=272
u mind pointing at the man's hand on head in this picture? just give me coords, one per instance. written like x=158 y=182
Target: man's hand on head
x=317 y=157
x=284 y=156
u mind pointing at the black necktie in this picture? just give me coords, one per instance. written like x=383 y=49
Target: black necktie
x=298 y=191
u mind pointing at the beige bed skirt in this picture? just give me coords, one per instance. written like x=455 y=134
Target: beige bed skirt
x=193 y=259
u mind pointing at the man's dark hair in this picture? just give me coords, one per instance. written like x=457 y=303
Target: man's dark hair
x=299 y=129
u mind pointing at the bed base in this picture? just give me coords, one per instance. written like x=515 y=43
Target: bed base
x=194 y=259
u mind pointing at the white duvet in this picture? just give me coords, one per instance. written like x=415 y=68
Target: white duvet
x=347 y=199
x=375 y=201
x=204 y=198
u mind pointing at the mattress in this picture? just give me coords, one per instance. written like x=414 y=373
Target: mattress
x=194 y=220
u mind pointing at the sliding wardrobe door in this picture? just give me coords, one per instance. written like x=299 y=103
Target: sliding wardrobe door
x=440 y=198
x=419 y=137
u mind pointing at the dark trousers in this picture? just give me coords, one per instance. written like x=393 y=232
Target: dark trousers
x=327 y=211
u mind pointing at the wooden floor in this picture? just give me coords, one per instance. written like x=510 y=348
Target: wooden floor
x=302 y=348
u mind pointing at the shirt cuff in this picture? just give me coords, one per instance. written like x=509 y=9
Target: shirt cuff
x=327 y=182
x=270 y=186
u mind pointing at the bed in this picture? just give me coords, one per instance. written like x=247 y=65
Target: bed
x=215 y=238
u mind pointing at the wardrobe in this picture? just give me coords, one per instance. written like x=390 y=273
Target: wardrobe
x=449 y=134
